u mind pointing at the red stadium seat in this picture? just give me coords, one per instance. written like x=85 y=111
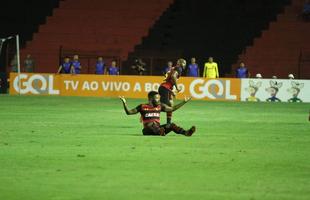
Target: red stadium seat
x=280 y=46
x=98 y=26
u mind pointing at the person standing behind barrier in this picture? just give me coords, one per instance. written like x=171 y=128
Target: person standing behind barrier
x=210 y=69
x=113 y=69
x=76 y=65
x=65 y=67
x=168 y=67
x=28 y=64
x=193 y=69
x=139 y=66
x=100 y=67
x=242 y=71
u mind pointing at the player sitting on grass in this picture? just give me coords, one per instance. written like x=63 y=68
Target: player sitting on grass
x=150 y=115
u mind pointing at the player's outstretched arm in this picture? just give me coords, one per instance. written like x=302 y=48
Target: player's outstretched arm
x=167 y=108
x=128 y=112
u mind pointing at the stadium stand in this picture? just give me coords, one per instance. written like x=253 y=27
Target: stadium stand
x=270 y=39
x=206 y=28
x=283 y=48
x=19 y=17
x=98 y=26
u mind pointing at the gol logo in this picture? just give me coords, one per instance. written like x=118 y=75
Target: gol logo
x=212 y=89
x=35 y=84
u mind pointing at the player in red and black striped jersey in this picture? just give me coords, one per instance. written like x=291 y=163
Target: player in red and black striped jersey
x=166 y=88
x=150 y=116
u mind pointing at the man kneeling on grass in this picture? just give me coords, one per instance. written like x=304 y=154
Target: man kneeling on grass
x=150 y=116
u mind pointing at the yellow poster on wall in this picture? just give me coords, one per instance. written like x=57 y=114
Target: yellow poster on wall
x=114 y=86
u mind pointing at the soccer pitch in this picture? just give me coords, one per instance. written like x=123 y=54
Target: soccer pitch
x=65 y=148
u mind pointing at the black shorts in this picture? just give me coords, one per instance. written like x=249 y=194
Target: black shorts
x=156 y=129
x=165 y=95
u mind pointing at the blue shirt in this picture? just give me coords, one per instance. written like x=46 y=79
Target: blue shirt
x=306 y=8
x=192 y=70
x=166 y=69
x=113 y=70
x=100 y=67
x=77 y=66
x=66 y=66
x=179 y=70
x=242 y=72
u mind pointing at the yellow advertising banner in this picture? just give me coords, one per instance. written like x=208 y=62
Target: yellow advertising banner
x=114 y=86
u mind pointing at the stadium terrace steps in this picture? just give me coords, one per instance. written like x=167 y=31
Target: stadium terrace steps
x=196 y=28
x=138 y=22
x=100 y=31
x=277 y=51
x=93 y=26
x=127 y=15
x=103 y=33
x=73 y=38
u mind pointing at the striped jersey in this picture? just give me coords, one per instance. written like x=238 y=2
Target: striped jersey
x=169 y=82
x=149 y=113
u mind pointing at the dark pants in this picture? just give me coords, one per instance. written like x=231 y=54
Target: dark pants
x=157 y=129
x=165 y=95
x=166 y=98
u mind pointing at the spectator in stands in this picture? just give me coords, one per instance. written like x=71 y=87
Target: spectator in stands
x=290 y=76
x=113 y=69
x=76 y=65
x=258 y=76
x=168 y=67
x=242 y=71
x=210 y=69
x=28 y=64
x=193 y=69
x=139 y=66
x=65 y=67
x=306 y=11
x=100 y=67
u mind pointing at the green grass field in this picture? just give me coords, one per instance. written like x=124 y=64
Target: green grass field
x=63 y=148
